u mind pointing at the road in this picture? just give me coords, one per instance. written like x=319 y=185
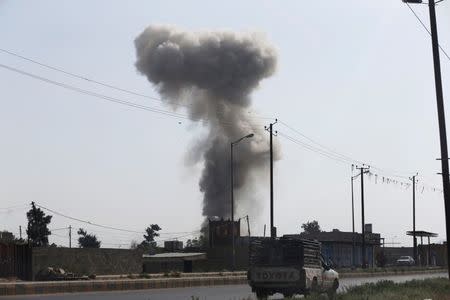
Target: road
x=228 y=292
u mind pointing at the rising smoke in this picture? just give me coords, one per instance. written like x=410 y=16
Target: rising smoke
x=212 y=74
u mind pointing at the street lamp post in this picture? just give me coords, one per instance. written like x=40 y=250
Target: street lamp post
x=441 y=116
x=232 y=199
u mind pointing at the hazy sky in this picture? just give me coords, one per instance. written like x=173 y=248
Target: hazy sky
x=355 y=76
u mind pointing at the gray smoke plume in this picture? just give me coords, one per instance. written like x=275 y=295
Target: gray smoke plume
x=212 y=75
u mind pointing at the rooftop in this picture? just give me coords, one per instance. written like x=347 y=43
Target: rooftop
x=173 y=256
x=421 y=233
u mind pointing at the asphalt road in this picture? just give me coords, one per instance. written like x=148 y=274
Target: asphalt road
x=228 y=292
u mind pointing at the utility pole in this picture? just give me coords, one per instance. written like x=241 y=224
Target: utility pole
x=233 y=249
x=70 y=236
x=273 y=230
x=248 y=227
x=441 y=117
x=20 y=231
x=414 y=219
x=363 y=248
x=353 y=226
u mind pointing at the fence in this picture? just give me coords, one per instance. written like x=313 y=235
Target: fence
x=15 y=261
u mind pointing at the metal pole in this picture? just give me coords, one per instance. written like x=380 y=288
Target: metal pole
x=70 y=236
x=272 y=229
x=441 y=118
x=363 y=248
x=414 y=220
x=233 y=264
x=353 y=228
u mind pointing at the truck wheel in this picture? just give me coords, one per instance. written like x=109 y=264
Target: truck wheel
x=332 y=292
x=261 y=294
x=314 y=286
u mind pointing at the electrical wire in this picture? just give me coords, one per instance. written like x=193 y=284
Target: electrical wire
x=114 y=87
x=313 y=149
x=87 y=222
x=56 y=229
x=426 y=28
x=320 y=145
x=113 y=99
x=186 y=233
x=14 y=207
x=90 y=93
x=328 y=151
x=79 y=76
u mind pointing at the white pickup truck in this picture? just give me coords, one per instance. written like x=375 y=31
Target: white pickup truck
x=289 y=266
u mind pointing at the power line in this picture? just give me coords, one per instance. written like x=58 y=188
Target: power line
x=87 y=222
x=111 y=99
x=14 y=207
x=426 y=28
x=90 y=93
x=328 y=151
x=346 y=161
x=314 y=149
x=114 y=87
x=55 y=229
x=318 y=144
x=58 y=235
x=80 y=76
x=111 y=227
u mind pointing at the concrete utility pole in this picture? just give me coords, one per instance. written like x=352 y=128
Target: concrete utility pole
x=441 y=117
x=70 y=236
x=273 y=230
x=414 y=219
x=363 y=247
x=353 y=227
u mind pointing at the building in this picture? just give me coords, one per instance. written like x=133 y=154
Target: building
x=6 y=237
x=344 y=249
x=221 y=232
x=173 y=246
x=171 y=262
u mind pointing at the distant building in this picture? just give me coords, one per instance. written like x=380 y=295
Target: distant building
x=173 y=246
x=338 y=246
x=6 y=237
x=221 y=232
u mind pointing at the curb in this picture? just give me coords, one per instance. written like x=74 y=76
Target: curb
x=162 y=275
x=398 y=273
x=54 y=287
x=47 y=287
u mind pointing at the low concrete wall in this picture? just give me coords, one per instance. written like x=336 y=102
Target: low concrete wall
x=86 y=261
x=24 y=288
x=29 y=288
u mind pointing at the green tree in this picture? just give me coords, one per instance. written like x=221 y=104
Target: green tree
x=149 y=243
x=192 y=243
x=311 y=227
x=86 y=240
x=37 y=229
x=199 y=242
x=151 y=233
